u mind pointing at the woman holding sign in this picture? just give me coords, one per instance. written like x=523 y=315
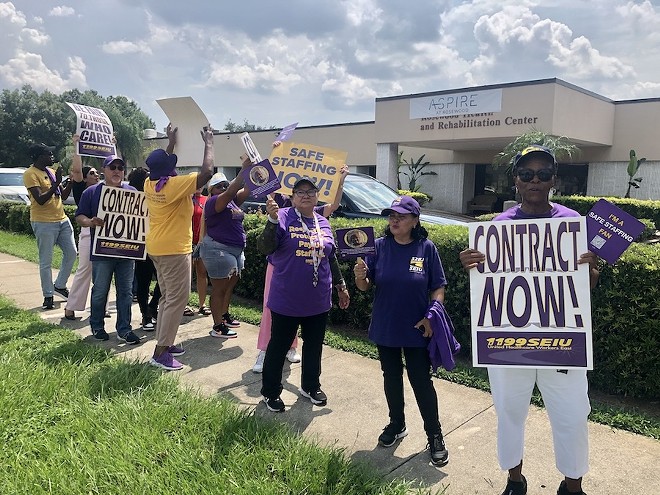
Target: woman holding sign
x=564 y=391
x=407 y=273
x=300 y=244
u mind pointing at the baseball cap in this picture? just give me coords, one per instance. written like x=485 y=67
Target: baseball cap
x=534 y=150
x=38 y=149
x=403 y=205
x=112 y=158
x=217 y=179
x=302 y=180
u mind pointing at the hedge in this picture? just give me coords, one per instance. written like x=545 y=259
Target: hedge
x=625 y=303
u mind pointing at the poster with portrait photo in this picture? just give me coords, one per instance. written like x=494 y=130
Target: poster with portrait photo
x=260 y=179
x=355 y=242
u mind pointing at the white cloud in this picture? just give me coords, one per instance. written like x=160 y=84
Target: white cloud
x=124 y=47
x=9 y=14
x=62 y=11
x=34 y=36
x=29 y=68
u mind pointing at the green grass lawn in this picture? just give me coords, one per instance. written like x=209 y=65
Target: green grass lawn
x=619 y=412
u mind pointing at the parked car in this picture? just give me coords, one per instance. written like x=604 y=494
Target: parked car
x=366 y=197
x=11 y=185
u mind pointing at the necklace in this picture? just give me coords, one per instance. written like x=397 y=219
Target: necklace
x=316 y=245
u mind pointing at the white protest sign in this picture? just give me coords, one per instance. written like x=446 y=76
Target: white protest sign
x=184 y=113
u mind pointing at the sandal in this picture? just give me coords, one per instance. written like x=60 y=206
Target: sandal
x=188 y=311
x=204 y=311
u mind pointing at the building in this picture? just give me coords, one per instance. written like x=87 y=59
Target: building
x=460 y=131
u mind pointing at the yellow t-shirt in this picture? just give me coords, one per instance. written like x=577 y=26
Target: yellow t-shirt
x=52 y=210
x=170 y=215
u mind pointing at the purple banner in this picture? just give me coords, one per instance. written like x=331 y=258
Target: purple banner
x=286 y=133
x=532 y=349
x=355 y=242
x=610 y=230
x=260 y=179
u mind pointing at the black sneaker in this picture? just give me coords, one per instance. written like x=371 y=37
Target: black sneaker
x=64 y=292
x=318 y=397
x=48 y=303
x=101 y=335
x=391 y=433
x=129 y=338
x=148 y=324
x=516 y=487
x=439 y=454
x=562 y=490
x=230 y=321
x=275 y=405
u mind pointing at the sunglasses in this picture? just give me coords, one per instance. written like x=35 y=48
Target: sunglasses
x=112 y=166
x=92 y=172
x=310 y=193
x=526 y=174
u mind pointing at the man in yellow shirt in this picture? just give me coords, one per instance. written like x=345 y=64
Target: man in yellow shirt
x=169 y=241
x=50 y=224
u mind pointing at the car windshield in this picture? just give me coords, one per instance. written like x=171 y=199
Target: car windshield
x=11 y=179
x=369 y=196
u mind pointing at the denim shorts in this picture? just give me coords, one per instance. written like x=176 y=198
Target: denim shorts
x=220 y=260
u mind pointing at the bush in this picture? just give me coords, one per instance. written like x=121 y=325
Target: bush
x=420 y=197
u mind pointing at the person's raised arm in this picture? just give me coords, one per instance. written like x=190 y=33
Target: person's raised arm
x=330 y=208
x=267 y=240
x=171 y=138
x=206 y=171
x=76 y=173
x=361 y=273
x=233 y=189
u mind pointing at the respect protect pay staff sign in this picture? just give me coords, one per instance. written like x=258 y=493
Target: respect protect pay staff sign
x=530 y=300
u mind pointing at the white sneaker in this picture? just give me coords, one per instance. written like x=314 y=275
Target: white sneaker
x=293 y=356
x=259 y=364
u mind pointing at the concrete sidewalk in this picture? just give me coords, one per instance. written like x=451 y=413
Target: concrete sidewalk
x=621 y=462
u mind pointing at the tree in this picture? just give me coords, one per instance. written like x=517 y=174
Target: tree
x=415 y=171
x=245 y=127
x=559 y=145
x=633 y=167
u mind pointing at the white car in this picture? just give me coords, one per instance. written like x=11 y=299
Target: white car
x=11 y=185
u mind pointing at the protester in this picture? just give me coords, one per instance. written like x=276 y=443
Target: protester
x=408 y=275
x=564 y=391
x=81 y=178
x=49 y=223
x=144 y=269
x=222 y=247
x=199 y=200
x=169 y=241
x=300 y=244
x=264 y=325
x=105 y=267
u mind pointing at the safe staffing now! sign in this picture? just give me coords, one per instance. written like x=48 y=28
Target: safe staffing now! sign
x=531 y=300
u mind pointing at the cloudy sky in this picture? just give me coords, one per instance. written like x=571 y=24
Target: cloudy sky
x=320 y=62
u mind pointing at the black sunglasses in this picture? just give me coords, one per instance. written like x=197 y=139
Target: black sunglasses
x=526 y=174
x=112 y=166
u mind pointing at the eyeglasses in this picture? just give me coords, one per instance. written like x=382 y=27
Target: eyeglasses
x=112 y=166
x=526 y=174
x=310 y=193
x=399 y=216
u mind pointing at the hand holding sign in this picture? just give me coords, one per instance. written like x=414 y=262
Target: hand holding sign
x=360 y=269
x=272 y=208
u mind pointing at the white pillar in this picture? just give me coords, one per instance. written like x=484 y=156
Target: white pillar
x=387 y=161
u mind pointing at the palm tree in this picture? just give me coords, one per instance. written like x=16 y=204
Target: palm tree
x=559 y=145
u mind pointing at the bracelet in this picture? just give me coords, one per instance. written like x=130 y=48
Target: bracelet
x=341 y=287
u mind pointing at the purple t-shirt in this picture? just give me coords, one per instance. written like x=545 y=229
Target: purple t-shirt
x=89 y=206
x=404 y=275
x=225 y=227
x=292 y=292
x=516 y=213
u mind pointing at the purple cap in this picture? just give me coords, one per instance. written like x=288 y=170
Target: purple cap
x=161 y=164
x=403 y=205
x=112 y=158
x=534 y=150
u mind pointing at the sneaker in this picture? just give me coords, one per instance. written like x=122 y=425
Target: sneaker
x=100 y=334
x=439 y=453
x=64 y=292
x=135 y=299
x=516 y=487
x=562 y=490
x=166 y=361
x=148 y=324
x=220 y=330
x=230 y=321
x=175 y=350
x=129 y=338
x=48 y=303
x=317 y=397
x=275 y=405
x=293 y=356
x=259 y=364
x=391 y=433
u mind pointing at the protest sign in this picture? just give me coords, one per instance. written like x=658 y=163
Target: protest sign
x=530 y=300
x=95 y=131
x=286 y=133
x=291 y=161
x=124 y=231
x=355 y=242
x=260 y=179
x=250 y=148
x=610 y=230
x=184 y=114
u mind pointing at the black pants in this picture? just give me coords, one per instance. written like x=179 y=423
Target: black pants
x=144 y=272
x=418 y=367
x=283 y=330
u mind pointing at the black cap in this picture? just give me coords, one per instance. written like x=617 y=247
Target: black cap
x=36 y=150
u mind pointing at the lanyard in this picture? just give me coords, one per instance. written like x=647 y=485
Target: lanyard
x=316 y=244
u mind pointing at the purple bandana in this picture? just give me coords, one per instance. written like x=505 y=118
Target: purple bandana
x=52 y=179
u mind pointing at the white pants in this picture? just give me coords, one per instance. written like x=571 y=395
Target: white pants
x=566 y=400
x=77 y=300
